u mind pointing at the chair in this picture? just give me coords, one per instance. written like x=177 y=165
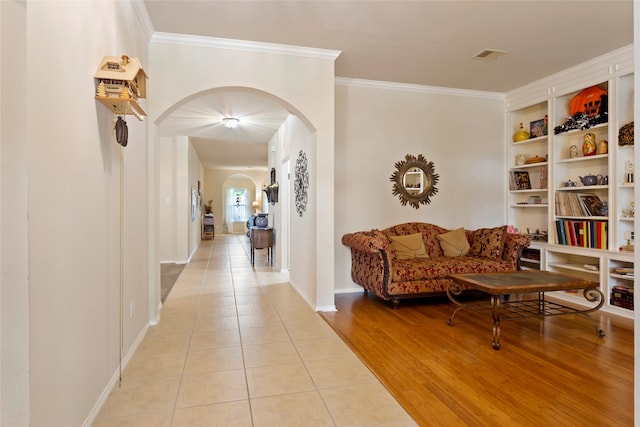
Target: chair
x=208 y=227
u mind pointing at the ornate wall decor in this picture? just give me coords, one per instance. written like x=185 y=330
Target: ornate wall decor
x=271 y=190
x=414 y=180
x=301 y=183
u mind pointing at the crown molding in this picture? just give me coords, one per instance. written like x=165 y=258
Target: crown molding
x=144 y=19
x=436 y=90
x=594 y=71
x=243 y=45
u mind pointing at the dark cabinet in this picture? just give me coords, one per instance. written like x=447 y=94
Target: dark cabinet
x=261 y=238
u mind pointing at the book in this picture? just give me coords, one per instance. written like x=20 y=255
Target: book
x=591 y=204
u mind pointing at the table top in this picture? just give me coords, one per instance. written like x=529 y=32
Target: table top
x=522 y=281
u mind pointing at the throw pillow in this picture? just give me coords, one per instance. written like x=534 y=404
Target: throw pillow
x=488 y=242
x=409 y=246
x=454 y=243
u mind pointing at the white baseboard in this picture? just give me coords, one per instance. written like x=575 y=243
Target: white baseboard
x=155 y=321
x=327 y=308
x=115 y=379
x=351 y=290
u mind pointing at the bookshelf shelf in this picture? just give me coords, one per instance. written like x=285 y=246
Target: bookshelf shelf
x=584 y=224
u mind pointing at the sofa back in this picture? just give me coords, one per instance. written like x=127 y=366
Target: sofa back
x=429 y=235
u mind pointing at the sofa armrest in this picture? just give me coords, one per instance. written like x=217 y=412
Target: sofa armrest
x=366 y=241
x=370 y=261
x=513 y=245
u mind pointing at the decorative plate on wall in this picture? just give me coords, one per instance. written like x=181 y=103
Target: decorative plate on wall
x=301 y=183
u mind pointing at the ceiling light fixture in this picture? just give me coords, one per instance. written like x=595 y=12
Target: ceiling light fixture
x=230 y=122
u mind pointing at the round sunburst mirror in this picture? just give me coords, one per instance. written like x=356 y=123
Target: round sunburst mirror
x=414 y=180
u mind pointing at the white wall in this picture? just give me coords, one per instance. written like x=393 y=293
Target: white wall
x=378 y=124
x=195 y=173
x=179 y=170
x=14 y=290
x=292 y=137
x=167 y=201
x=300 y=79
x=67 y=179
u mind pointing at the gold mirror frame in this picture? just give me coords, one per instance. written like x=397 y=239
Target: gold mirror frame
x=428 y=180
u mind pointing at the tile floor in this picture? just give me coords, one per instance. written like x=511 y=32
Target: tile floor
x=238 y=346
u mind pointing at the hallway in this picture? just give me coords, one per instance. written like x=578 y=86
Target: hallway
x=238 y=346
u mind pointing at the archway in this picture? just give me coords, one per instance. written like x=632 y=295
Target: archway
x=238 y=197
x=278 y=154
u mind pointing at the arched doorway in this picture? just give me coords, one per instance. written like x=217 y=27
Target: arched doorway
x=238 y=203
x=295 y=133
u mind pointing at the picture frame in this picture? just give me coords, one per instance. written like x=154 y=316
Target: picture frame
x=522 y=180
x=194 y=201
x=536 y=128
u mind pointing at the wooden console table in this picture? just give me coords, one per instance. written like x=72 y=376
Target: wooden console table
x=261 y=238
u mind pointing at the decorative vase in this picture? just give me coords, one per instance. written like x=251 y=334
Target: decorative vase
x=521 y=135
x=589 y=145
x=603 y=147
x=262 y=220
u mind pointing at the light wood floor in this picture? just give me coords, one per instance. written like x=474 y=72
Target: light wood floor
x=552 y=372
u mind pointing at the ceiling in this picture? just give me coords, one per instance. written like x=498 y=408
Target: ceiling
x=415 y=42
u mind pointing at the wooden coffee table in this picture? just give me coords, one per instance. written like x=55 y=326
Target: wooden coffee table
x=503 y=287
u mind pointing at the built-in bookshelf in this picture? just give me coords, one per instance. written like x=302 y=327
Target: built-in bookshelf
x=576 y=200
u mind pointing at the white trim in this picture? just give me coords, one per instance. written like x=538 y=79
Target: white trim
x=115 y=378
x=243 y=45
x=600 y=69
x=156 y=320
x=351 y=290
x=326 y=308
x=142 y=14
x=375 y=84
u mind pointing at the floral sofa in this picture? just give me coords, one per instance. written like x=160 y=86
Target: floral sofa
x=393 y=270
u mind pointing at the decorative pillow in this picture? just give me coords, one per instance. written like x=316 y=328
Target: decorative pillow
x=488 y=242
x=409 y=246
x=454 y=243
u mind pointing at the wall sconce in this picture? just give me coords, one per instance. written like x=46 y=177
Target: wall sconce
x=119 y=84
x=271 y=190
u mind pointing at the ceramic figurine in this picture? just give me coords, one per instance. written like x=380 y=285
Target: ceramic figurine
x=589 y=145
x=603 y=147
x=573 y=152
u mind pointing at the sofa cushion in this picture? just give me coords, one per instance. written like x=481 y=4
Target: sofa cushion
x=443 y=267
x=454 y=243
x=429 y=235
x=409 y=246
x=488 y=242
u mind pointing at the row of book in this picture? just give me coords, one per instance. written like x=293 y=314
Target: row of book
x=579 y=204
x=587 y=234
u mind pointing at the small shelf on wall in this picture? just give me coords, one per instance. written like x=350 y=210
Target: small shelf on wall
x=122 y=106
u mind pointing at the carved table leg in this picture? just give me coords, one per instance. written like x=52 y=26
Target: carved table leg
x=495 y=308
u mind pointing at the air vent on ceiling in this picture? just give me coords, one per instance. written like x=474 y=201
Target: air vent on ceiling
x=489 y=54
